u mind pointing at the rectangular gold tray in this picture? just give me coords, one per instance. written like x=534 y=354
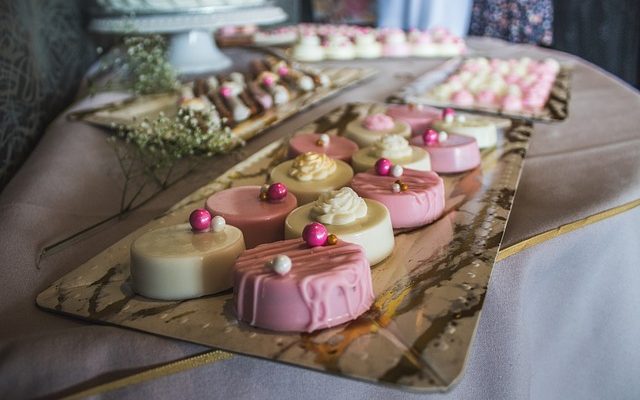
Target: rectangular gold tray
x=429 y=292
x=133 y=110
x=556 y=109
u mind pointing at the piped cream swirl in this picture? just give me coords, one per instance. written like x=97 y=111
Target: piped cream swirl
x=339 y=207
x=312 y=166
x=392 y=147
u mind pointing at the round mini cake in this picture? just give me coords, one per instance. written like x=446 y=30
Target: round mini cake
x=367 y=46
x=336 y=147
x=339 y=47
x=310 y=174
x=394 y=147
x=395 y=44
x=308 y=49
x=292 y=286
x=180 y=262
x=259 y=212
x=365 y=131
x=450 y=154
x=414 y=198
x=353 y=219
x=418 y=117
x=481 y=129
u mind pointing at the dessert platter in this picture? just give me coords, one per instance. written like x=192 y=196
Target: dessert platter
x=269 y=91
x=374 y=273
x=516 y=88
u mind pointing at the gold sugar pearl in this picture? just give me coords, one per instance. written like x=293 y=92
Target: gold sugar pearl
x=332 y=239
x=404 y=187
x=319 y=142
x=263 y=196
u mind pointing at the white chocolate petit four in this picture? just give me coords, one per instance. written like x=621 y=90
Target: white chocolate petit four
x=395 y=148
x=310 y=174
x=351 y=218
x=182 y=262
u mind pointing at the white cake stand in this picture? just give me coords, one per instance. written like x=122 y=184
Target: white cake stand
x=192 y=49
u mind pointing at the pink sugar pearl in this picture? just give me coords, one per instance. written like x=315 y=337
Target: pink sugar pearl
x=277 y=191
x=200 y=220
x=315 y=234
x=430 y=137
x=383 y=166
x=448 y=112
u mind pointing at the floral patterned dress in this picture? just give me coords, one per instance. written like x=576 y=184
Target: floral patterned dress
x=520 y=21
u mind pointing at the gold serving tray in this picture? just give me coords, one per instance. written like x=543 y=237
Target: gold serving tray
x=133 y=110
x=429 y=292
x=556 y=109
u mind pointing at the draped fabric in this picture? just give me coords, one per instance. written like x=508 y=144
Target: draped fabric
x=423 y=14
x=519 y=21
x=44 y=52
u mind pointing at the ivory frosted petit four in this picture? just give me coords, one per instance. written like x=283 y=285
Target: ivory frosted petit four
x=339 y=47
x=367 y=45
x=394 y=147
x=367 y=130
x=449 y=153
x=336 y=147
x=353 y=219
x=310 y=174
x=483 y=130
x=186 y=261
x=308 y=49
x=417 y=116
x=414 y=198
x=302 y=285
x=259 y=212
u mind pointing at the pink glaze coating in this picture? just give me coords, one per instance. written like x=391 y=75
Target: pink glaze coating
x=315 y=234
x=462 y=98
x=260 y=221
x=326 y=286
x=456 y=154
x=418 y=117
x=378 y=122
x=421 y=204
x=512 y=103
x=339 y=148
x=200 y=220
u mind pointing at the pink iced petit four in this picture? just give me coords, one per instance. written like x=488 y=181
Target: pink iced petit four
x=512 y=103
x=414 y=198
x=449 y=153
x=298 y=286
x=259 y=212
x=462 y=98
x=336 y=147
x=418 y=117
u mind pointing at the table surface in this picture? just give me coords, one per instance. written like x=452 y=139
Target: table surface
x=558 y=319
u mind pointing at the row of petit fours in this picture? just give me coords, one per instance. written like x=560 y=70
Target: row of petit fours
x=335 y=225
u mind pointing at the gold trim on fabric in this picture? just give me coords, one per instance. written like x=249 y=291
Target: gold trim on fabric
x=154 y=373
x=561 y=230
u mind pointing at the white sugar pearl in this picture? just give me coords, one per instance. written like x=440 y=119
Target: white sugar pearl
x=443 y=136
x=397 y=171
x=324 y=138
x=448 y=118
x=395 y=188
x=218 y=223
x=281 y=264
